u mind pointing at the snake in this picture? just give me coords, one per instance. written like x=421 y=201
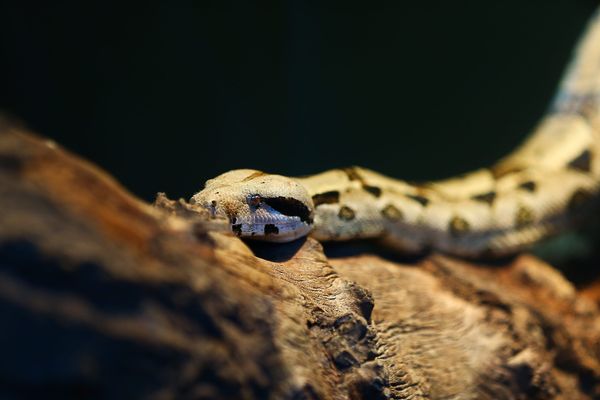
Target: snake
x=548 y=184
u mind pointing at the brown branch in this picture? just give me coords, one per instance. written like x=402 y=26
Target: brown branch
x=103 y=296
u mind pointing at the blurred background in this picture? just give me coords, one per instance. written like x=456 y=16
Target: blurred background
x=165 y=96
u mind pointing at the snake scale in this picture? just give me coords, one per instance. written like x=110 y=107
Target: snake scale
x=542 y=188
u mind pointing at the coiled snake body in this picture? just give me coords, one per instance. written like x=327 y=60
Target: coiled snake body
x=540 y=189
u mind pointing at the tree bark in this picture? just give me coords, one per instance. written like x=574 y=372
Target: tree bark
x=104 y=296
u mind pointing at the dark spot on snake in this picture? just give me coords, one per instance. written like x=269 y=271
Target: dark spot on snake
x=524 y=216
x=488 y=197
x=253 y=176
x=346 y=213
x=458 y=226
x=290 y=207
x=233 y=220
x=529 y=186
x=213 y=204
x=582 y=162
x=499 y=171
x=271 y=229
x=422 y=200
x=578 y=199
x=392 y=213
x=331 y=197
x=352 y=174
x=237 y=229
x=374 y=190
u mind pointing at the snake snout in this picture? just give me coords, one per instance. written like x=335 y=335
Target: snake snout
x=259 y=205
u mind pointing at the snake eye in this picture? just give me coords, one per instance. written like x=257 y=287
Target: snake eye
x=254 y=200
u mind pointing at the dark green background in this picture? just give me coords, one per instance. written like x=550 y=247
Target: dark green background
x=167 y=95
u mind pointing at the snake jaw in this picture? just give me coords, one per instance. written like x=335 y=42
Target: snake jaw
x=266 y=223
x=258 y=205
x=275 y=219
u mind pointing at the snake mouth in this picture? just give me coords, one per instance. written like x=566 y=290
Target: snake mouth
x=272 y=228
x=290 y=207
x=274 y=219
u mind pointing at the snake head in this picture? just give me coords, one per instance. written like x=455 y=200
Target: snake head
x=258 y=205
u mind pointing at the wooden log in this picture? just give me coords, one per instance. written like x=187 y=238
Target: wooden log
x=104 y=296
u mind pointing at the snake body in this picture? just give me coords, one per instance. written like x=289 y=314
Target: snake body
x=543 y=187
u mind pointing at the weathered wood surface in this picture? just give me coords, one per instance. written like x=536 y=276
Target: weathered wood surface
x=105 y=297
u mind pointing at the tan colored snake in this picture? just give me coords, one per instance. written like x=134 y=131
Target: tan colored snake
x=543 y=187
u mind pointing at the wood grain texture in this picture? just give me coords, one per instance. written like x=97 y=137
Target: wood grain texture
x=104 y=296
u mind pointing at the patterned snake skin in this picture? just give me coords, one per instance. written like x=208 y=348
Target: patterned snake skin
x=542 y=188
